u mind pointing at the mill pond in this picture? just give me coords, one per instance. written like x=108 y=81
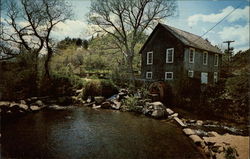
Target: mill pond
x=82 y=132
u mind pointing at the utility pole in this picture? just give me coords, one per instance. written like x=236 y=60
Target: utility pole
x=229 y=49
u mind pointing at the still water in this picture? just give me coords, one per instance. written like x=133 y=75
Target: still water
x=85 y=133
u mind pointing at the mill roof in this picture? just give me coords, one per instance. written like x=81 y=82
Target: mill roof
x=190 y=39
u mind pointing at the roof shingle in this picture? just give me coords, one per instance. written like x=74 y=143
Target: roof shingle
x=192 y=40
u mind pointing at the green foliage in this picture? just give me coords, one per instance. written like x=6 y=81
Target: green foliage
x=230 y=153
x=131 y=104
x=99 y=87
x=18 y=77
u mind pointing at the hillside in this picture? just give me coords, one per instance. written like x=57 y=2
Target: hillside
x=233 y=98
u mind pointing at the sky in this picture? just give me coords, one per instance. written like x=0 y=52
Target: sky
x=195 y=16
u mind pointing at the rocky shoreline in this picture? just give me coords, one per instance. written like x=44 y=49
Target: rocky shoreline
x=212 y=144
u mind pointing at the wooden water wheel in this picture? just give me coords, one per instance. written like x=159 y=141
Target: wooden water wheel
x=162 y=90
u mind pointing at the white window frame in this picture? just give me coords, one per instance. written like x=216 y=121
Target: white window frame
x=205 y=54
x=215 y=77
x=216 y=60
x=147 y=73
x=168 y=60
x=169 y=78
x=193 y=55
x=191 y=71
x=148 y=62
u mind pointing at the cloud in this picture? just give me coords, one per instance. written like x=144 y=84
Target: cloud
x=70 y=28
x=213 y=18
x=238 y=33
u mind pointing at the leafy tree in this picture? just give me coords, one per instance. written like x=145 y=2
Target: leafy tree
x=126 y=21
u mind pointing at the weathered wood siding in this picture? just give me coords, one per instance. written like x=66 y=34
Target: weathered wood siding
x=198 y=65
x=160 y=41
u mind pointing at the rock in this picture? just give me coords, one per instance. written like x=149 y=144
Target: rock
x=106 y=105
x=121 y=95
x=197 y=140
x=208 y=141
x=157 y=104
x=28 y=100
x=117 y=105
x=212 y=134
x=207 y=151
x=180 y=122
x=23 y=106
x=188 y=131
x=174 y=115
x=33 y=98
x=89 y=99
x=22 y=101
x=39 y=103
x=155 y=109
x=169 y=111
x=158 y=113
x=99 y=100
x=4 y=104
x=199 y=122
x=96 y=106
x=79 y=91
x=191 y=121
x=123 y=91
x=35 y=108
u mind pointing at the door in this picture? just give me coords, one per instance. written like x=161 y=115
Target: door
x=204 y=77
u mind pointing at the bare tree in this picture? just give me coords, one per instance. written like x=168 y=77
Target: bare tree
x=29 y=24
x=126 y=20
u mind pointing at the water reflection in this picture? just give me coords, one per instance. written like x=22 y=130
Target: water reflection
x=87 y=133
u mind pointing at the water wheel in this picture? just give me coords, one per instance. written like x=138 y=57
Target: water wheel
x=162 y=90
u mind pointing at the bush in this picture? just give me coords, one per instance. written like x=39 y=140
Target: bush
x=99 y=87
x=60 y=85
x=18 y=78
x=131 y=104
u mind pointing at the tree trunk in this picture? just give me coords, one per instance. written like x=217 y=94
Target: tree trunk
x=46 y=64
x=131 y=70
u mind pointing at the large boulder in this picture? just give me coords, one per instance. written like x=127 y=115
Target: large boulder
x=155 y=109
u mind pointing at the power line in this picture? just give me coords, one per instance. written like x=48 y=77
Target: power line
x=219 y=22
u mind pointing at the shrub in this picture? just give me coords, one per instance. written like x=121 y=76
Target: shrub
x=99 y=87
x=60 y=84
x=130 y=104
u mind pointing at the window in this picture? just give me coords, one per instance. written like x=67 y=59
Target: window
x=190 y=73
x=215 y=77
x=205 y=58
x=191 y=55
x=149 y=75
x=149 y=58
x=168 y=75
x=216 y=60
x=170 y=55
